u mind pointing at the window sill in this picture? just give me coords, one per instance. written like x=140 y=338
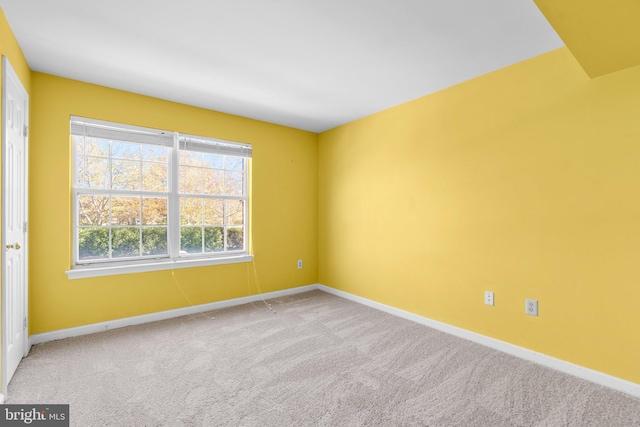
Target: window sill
x=112 y=270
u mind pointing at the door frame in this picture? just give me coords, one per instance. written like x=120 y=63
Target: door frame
x=8 y=74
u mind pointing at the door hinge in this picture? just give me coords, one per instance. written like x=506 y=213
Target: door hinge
x=24 y=229
x=25 y=323
x=26 y=131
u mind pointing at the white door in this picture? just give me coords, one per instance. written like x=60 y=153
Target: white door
x=15 y=107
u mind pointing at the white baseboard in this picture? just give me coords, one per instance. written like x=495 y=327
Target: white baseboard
x=605 y=380
x=587 y=374
x=162 y=315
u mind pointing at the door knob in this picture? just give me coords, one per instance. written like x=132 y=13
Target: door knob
x=14 y=246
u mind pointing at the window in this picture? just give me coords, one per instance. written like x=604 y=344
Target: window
x=143 y=195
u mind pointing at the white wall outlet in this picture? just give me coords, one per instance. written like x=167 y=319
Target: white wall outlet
x=488 y=297
x=299 y=263
x=531 y=307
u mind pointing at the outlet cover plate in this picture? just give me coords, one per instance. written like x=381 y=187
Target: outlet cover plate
x=488 y=297
x=531 y=307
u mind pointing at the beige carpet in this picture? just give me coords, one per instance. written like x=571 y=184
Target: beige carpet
x=320 y=360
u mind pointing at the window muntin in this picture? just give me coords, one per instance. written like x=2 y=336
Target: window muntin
x=123 y=194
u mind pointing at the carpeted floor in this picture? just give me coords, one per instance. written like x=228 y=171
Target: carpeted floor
x=319 y=360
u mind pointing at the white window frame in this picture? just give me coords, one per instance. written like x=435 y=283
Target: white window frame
x=173 y=141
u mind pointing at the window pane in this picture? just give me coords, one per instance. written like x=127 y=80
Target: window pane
x=125 y=174
x=214 y=160
x=81 y=176
x=233 y=163
x=213 y=211
x=154 y=211
x=233 y=183
x=213 y=181
x=154 y=176
x=235 y=212
x=125 y=150
x=190 y=211
x=154 y=241
x=96 y=147
x=191 y=158
x=235 y=238
x=93 y=210
x=191 y=240
x=190 y=180
x=154 y=153
x=78 y=142
x=97 y=173
x=93 y=243
x=125 y=211
x=125 y=242
x=213 y=241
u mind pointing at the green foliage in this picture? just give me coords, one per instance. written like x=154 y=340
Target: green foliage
x=93 y=243
x=213 y=239
x=154 y=241
x=235 y=238
x=191 y=239
x=125 y=242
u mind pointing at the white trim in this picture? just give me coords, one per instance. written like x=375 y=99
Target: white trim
x=112 y=270
x=1 y=398
x=162 y=315
x=9 y=74
x=173 y=199
x=587 y=374
x=599 y=378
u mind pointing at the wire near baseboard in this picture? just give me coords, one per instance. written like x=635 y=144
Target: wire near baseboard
x=162 y=315
x=587 y=374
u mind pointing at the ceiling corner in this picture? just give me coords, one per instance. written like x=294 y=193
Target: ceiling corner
x=603 y=36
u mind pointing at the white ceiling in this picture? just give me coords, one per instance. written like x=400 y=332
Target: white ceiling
x=308 y=64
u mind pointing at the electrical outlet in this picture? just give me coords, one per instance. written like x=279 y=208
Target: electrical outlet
x=531 y=307
x=488 y=297
x=299 y=263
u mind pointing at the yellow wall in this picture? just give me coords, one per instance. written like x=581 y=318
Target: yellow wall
x=284 y=209
x=525 y=181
